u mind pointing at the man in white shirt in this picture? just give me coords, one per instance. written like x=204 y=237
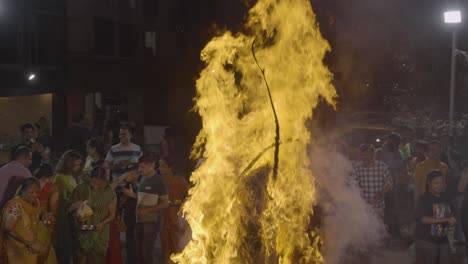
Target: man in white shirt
x=120 y=156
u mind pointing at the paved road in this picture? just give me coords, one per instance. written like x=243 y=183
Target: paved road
x=395 y=257
x=407 y=256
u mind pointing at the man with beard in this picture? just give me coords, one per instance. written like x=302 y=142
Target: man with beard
x=40 y=153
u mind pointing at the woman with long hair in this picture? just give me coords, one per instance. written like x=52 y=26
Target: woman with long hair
x=19 y=225
x=69 y=166
x=68 y=170
x=91 y=245
x=114 y=250
x=434 y=214
x=48 y=201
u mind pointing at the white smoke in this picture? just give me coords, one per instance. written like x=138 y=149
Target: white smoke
x=348 y=224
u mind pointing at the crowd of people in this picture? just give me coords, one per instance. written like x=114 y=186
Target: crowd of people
x=416 y=187
x=97 y=204
x=106 y=200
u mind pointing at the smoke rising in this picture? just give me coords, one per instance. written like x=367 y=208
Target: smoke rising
x=348 y=223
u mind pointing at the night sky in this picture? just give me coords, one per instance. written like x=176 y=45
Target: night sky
x=380 y=48
x=385 y=54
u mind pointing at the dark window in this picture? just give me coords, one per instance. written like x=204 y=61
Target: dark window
x=104 y=37
x=11 y=25
x=150 y=11
x=48 y=44
x=11 y=18
x=56 y=6
x=128 y=40
x=11 y=79
x=127 y=4
x=9 y=42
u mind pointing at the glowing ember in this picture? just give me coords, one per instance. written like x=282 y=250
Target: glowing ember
x=239 y=212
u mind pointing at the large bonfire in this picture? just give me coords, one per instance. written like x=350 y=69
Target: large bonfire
x=253 y=197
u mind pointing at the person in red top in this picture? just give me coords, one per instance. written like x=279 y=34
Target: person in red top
x=175 y=233
x=48 y=197
x=49 y=194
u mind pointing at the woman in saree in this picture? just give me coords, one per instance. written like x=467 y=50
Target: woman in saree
x=114 y=250
x=48 y=200
x=68 y=168
x=175 y=233
x=20 y=221
x=90 y=246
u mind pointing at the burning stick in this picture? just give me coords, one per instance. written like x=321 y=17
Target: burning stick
x=259 y=155
x=277 y=127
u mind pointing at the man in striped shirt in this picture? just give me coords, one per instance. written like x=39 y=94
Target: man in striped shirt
x=120 y=156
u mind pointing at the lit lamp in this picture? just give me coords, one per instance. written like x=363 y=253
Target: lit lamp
x=452 y=17
x=31 y=76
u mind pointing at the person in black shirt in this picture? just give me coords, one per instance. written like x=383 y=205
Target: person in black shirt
x=127 y=208
x=434 y=214
x=40 y=153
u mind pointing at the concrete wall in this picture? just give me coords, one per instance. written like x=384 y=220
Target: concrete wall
x=23 y=109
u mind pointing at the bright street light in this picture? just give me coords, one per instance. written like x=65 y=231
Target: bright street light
x=452 y=17
x=31 y=76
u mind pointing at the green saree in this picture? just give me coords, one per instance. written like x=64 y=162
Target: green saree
x=63 y=235
x=90 y=247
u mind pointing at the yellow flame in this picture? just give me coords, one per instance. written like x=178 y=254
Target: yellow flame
x=250 y=217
